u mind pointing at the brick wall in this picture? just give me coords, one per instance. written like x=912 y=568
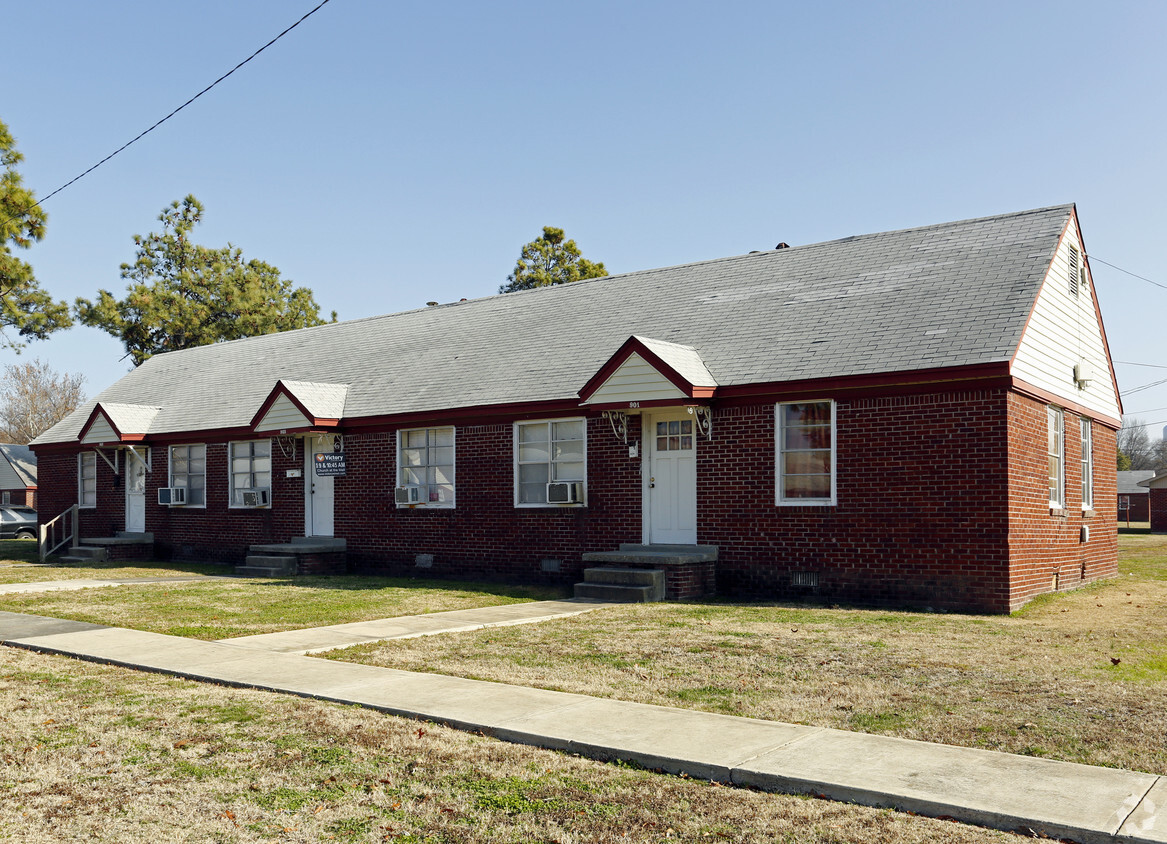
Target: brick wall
x=920 y=515
x=936 y=495
x=1158 y=509
x=486 y=536
x=20 y=496
x=1139 y=510
x=1046 y=546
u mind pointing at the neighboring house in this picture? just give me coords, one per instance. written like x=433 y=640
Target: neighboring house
x=1156 y=487
x=17 y=475
x=779 y=406
x=1133 y=500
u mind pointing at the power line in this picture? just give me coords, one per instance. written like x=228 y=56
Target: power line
x=188 y=102
x=1128 y=272
x=1146 y=424
x=1131 y=363
x=1145 y=386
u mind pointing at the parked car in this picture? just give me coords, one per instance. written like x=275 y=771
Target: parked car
x=18 y=523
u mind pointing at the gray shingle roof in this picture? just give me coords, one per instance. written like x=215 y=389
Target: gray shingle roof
x=1128 y=482
x=951 y=294
x=23 y=461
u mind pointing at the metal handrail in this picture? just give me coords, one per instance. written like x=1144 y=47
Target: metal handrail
x=53 y=535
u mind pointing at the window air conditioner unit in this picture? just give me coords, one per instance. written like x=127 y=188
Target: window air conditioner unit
x=171 y=496
x=407 y=495
x=564 y=492
x=257 y=497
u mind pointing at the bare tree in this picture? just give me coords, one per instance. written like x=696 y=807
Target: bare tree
x=34 y=398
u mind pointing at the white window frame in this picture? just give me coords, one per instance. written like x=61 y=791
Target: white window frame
x=779 y=440
x=231 y=489
x=1087 y=464
x=1056 y=451
x=428 y=464
x=551 y=461
x=83 y=458
x=171 y=474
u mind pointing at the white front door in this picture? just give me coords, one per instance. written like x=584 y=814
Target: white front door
x=671 y=487
x=317 y=490
x=135 y=493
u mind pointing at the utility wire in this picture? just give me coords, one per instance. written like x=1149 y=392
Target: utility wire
x=1131 y=363
x=1145 y=386
x=1128 y=272
x=188 y=102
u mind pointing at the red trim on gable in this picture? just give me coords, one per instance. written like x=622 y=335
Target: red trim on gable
x=282 y=389
x=98 y=410
x=1098 y=312
x=1027 y=389
x=633 y=345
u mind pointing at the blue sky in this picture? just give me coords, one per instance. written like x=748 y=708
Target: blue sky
x=389 y=154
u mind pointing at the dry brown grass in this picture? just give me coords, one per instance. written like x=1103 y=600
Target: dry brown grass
x=1042 y=682
x=98 y=753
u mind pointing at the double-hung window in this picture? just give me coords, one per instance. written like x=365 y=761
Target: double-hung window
x=1056 y=456
x=552 y=451
x=87 y=479
x=425 y=459
x=1087 y=465
x=250 y=471
x=805 y=445
x=188 y=470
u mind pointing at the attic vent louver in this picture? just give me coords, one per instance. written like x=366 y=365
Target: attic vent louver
x=1073 y=271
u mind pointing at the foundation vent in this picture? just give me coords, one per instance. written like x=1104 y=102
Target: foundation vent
x=804 y=578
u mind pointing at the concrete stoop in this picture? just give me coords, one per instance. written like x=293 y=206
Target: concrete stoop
x=303 y=555
x=622 y=585
x=267 y=565
x=84 y=554
x=122 y=546
x=685 y=571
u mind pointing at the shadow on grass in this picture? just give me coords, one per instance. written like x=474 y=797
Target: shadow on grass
x=355 y=582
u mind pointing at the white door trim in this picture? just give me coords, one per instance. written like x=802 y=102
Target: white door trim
x=648 y=435
x=315 y=489
x=135 y=504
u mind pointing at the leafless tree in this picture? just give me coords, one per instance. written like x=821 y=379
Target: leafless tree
x=34 y=398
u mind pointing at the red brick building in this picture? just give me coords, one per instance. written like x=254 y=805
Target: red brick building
x=776 y=411
x=1156 y=487
x=17 y=475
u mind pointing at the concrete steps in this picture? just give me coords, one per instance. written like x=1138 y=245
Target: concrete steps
x=84 y=554
x=301 y=556
x=267 y=565
x=665 y=555
x=618 y=584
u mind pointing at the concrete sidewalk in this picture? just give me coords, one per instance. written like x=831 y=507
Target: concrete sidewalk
x=1055 y=799
x=312 y=640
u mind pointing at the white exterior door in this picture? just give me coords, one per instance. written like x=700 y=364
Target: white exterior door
x=671 y=487
x=318 y=490
x=135 y=494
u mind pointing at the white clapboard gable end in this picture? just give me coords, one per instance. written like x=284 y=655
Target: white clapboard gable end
x=299 y=405
x=635 y=380
x=100 y=432
x=282 y=415
x=1065 y=331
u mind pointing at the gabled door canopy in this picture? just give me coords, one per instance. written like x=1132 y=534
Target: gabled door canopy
x=645 y=372
x=300 y=406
